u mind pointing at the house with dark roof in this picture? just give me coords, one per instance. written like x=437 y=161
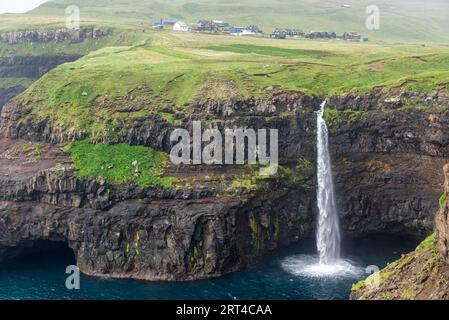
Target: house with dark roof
x=351 y=36
x=206 y=26
x=321 y=35
x=278 y=34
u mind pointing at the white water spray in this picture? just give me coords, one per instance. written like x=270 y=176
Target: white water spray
x=328 y=233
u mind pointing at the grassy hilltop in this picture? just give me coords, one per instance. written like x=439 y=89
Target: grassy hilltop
x=140 y=73
x=169 y=70
x=401 y=20
x=177 y=68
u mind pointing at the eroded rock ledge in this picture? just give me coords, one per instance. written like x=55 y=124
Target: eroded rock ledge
x=388 y=149
x=30 y=67
x=57 y=35
x=159 y=239
x=422 y=274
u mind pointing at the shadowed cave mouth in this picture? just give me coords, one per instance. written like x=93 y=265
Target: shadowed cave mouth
x=40 y=251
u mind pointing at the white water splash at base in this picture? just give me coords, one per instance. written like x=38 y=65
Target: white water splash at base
x=309 y=266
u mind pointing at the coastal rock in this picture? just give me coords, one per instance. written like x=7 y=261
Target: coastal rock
x=32 y=67
x=160 y=239
x=421 y=274
x=29 y=67
x=386 y=166
x=57 y=35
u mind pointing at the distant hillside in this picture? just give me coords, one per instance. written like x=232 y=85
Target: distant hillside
x=401 y=20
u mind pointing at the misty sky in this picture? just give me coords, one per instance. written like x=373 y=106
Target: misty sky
x=19 y=6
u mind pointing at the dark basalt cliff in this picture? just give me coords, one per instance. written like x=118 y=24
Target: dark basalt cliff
x=32 y=67
x=387 y=161
x=155 y=233
x=29 y=67
x=7 y=94
x=57 y=35
x=388 y=152
x=422 y=274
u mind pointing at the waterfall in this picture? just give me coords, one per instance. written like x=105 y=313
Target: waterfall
x=328 y=232
x=327 y=263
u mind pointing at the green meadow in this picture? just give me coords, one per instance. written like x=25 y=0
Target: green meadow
x=172 y=70
x=401 y=20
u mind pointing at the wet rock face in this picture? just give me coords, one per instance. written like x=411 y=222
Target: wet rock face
x=154 y=233
x=421 y=274
x=7 y=94
x=161 y=239
x=296 y=135
x=387 y=161
x=390 y=193
x=32 y=67
x=45 y=36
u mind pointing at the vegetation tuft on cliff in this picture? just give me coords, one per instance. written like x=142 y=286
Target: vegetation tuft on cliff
x=120 y=163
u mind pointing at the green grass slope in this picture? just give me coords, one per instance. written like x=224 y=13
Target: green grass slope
x=401 y=20
x=168 y=71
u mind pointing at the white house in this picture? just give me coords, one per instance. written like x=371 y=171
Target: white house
x=180 y=26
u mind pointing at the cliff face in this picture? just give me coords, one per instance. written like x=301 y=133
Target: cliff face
x=388 y=151
x=29 y=67
x=385 y=166
x=156 y=233
x=57 y=35
x=421 y=274
x=164 y=239
x=32 y=67
x=7 y=94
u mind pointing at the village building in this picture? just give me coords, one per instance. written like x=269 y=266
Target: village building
x=206 y=26
x=255 y=29
x=163 y=22
x=278 y=34
x=157 y=26
x=245 y=31
x=294 y=33
x=236 y=31
x=160 y=24
x=351 y=36
x=321 y=35
x=180 y=26
x=168 y=22
x=221 y=24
